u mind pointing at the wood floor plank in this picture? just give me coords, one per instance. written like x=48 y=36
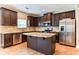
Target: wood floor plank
x=22 y=49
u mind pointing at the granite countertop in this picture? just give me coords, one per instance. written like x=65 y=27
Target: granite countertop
x=39 y=34
x=9 y=29
x=14 y=29
x=7 y=32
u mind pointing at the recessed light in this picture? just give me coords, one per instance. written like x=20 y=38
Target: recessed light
x=43 y=10
x=27 y=8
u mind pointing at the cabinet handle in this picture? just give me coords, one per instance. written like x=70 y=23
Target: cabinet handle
x=43 y=38
x=30 y=36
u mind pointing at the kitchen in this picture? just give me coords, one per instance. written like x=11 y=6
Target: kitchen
x=49 y=33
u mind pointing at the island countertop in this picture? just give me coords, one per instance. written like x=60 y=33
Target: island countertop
x=39 y=34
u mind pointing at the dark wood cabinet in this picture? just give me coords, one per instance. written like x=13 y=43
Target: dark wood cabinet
x=43 y=45
x=52 y=20
x=24 y=38
x=7 y=40
x=30 y=19
x=32 y=42
x=68 y=14
x=10 y=39
x=47 y=16
x=8 y=17
x=13 y=18
x=33 y=20
x=5 y=17
x=56 y=19
x=63 y=15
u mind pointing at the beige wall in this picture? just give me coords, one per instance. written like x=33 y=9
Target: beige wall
x=22 y=15
x=9 y=6
x=77 y=26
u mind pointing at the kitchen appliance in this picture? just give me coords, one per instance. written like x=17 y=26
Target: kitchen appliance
x=67 y=32
x=17 y=38
x=45 y=24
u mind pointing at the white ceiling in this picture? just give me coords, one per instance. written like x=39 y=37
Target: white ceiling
x=43 y=8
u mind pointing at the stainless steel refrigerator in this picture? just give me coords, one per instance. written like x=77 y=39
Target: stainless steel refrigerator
x=67 y=32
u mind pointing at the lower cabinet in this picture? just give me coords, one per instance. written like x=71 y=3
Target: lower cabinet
x=32 y=42
x=7 y=40
x=43 y=45
x=10 y=39
x=24 y=38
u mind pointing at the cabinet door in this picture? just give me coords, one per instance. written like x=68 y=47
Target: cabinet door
x=56 y=20
x=62 y=15
x=49 y=16
x=44 y=45
x=35 y=21
x=30 y=18
x=72 y=14
x=24 y=38
x=52 y=20
x=5 y=17
x=13 y=18
x=32 y=42
x=8 y=40
x=45 y=17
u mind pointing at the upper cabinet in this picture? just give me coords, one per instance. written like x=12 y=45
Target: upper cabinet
x=13 y=18
x=68 y=14
x=47 y=17
x=8 y=17
x=63 y=15
x=56 y=19
x=33 y=20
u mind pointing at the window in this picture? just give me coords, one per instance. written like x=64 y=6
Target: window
x=22 y=23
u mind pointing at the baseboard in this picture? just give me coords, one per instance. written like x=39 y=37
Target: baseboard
x=77 y=47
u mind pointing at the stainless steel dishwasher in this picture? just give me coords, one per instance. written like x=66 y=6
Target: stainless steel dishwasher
x=17 y=38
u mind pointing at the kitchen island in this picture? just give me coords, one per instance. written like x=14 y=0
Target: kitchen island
x=42 y=42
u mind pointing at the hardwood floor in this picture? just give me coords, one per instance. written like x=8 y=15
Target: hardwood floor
x=22 y=49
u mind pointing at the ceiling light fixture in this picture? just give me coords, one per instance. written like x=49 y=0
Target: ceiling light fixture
x=43 y=10
x=27 y=8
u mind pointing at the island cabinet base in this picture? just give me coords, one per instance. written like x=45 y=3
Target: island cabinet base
x=43 y=45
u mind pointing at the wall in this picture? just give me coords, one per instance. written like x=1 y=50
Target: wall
x=22 y=15
x=8 y=6
x=77 y=26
